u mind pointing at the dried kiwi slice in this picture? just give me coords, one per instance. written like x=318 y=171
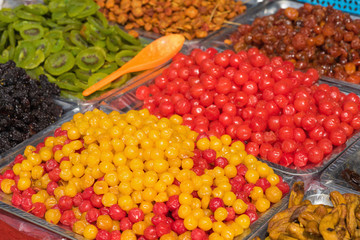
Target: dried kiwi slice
x=77 y=39
x=36 y=72
x=124 y=56
x=5 y=56
x=56 y=44
x=43 y=45
x=58 y=15
x=108 y=68
x=91 y=8
x=113 y=43
x=59 y=62
x=7 y=15
x=11 y=32
x=83 y=75
x=37 y=9
x=91 y=59
x=54 y=34
x=57 y=6
x=110 y=57
x=22 y=14
x=97 y=77
x=31 y=31
x=73 y=49
x=35 y=61
x=75 y=7
x=3 y=39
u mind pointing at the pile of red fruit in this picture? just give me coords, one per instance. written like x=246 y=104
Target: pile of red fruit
x=281 y=114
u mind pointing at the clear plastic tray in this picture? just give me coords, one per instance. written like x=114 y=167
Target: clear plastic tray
x=316 y=193
x=350 y=159
x=5 y=200
x=126 y=100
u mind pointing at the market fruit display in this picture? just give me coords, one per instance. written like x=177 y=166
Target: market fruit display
x=194 y=19
x=27 y=105
x=312 y=36
x=281 y=113
x=71 y=43
x=139 y=177
x=303 y=220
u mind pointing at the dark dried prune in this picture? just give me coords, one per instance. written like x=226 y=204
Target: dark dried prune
x=26 y=105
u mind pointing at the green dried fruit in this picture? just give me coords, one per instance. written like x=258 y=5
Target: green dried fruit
x=31 y=31
x=124 y=56
x=37 y=9
x=22 y=14
x=90 y=59
x=7 y=15
x=77 y=39
x=24 y=53
x=59 y=63
x=83 y=74
x=43 y=45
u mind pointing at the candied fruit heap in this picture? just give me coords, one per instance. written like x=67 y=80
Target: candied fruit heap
x=139 y=177
x=26 y=105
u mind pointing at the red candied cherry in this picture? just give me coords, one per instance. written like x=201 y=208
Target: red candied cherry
x=248 y=187
x=54 y=174
x=337 y=137
x=221 y=162
x=92 y=215
x=243 y=132
x=215 y=203
x=77 y=200
x=166 y=108
x=116 y=213
x=300 y=158
x=104 y=211
x=39 y=209
x=26 y=204
x=274 y=155
x=51 y=187
x=212 y=112
x=175 y=214
x=252 y=148
x=316 y=155
x=136 y=215
x=288 y=146
x=182 y=106
x=209 y=155
x=325 y=145
x=241 y=169
x=178 y=226
x=158 y=219
x=85 y=206
x=231 y=214
x=16 y=199
x=150 y=233
x=96 y=201
x=263 y=183
x=198 y=234
x=125 y=224
x=28 y=192
x=162 y=228
x=252 y=215
x=68 y=218
x=65 y=203
x=19 y=158
x=115 y=235
x=9 y=174
x=142 y=92
x=258 y=60
x=264 y=149
x=103 y=235
x=284 y=187
x=87 y=193
x=160 y=208
x=355 y=122
x=173 y=202
x=287 y=159
x=56 y=148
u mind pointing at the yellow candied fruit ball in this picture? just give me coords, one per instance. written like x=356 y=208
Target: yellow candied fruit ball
x=6 y=185
x=90 y=231
x=128 y=235
x=220 y=214
x=53 y=216
x=273 y=194
x=203 y=144
x=243 y=220
x=262 y=204
x=273 y=179
x=24 y=183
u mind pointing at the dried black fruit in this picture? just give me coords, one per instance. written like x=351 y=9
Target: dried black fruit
x=26 y=105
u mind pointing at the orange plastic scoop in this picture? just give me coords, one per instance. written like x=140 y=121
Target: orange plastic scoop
x=156 y=53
